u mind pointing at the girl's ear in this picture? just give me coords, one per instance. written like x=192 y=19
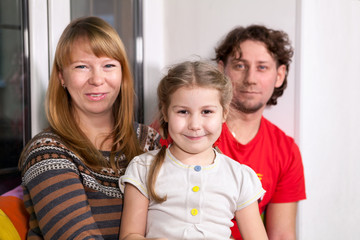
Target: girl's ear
x=164 y=113
x=225 y=113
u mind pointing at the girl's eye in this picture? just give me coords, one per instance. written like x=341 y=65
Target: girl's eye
x=206 y=111
x=182 y=112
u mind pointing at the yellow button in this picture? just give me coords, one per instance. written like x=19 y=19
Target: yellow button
x=195 y=189
x=194 y=211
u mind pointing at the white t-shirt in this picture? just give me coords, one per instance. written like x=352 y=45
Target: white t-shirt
x=201 y=200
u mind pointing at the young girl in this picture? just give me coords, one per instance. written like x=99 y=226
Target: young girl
x=188 y=190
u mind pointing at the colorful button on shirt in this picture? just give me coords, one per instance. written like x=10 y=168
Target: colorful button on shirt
x=195 y=189
x=197 y=168
x=194 y=212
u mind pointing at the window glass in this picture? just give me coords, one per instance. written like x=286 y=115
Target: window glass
x=14 y=97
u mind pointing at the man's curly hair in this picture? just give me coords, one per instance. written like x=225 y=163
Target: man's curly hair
x=276 y=42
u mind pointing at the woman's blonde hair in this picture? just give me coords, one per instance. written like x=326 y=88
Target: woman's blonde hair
x=187 y=74
x=103 y=41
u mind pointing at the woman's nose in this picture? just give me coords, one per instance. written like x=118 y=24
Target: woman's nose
x=97 y=77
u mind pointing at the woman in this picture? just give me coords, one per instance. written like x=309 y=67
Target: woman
x=71 y=170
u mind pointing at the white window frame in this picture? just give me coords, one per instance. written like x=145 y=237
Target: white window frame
x=47 y=19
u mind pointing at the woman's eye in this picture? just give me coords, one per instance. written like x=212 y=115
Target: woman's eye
x=80 y=66
x=109 y=65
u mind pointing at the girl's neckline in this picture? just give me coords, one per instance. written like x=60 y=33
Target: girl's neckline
x=173 y=158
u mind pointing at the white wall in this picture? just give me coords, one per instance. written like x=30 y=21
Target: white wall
x=329 y=115
x=319 y=107
x=153 y=32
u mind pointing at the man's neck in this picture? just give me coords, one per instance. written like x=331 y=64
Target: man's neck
x=244 y=126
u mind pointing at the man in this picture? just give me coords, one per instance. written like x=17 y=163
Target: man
x=257 y=60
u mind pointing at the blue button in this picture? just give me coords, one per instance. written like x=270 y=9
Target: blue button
x=197 y=168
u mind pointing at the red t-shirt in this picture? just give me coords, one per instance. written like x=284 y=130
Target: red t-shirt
x=275 y=158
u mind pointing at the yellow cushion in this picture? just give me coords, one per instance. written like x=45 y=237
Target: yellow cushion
x=7 y=229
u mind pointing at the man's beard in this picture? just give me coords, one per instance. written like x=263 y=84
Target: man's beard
x=245 y=108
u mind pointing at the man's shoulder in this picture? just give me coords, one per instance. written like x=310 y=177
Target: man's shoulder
x=275 y=131
x=276 y=135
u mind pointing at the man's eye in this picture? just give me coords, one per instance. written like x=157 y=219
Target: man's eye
x=262 y=67
x=240 y=66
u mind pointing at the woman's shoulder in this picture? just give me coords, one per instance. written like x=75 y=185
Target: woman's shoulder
x=148 y=137
x=145 y=130
x=47 y=132
x=45 y=138
x=44 y=145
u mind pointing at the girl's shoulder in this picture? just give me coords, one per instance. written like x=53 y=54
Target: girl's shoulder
x=231 y=163
x=145 y=158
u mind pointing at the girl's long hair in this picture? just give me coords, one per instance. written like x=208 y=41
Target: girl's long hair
x=187 y=74
x=103 y=41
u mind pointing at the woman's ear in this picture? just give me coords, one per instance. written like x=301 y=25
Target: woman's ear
x=60 y=75
x=281 y=72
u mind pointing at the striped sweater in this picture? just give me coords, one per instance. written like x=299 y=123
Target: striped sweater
x=68 y=200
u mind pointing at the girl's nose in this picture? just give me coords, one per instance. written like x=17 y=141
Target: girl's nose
x=194 y=122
